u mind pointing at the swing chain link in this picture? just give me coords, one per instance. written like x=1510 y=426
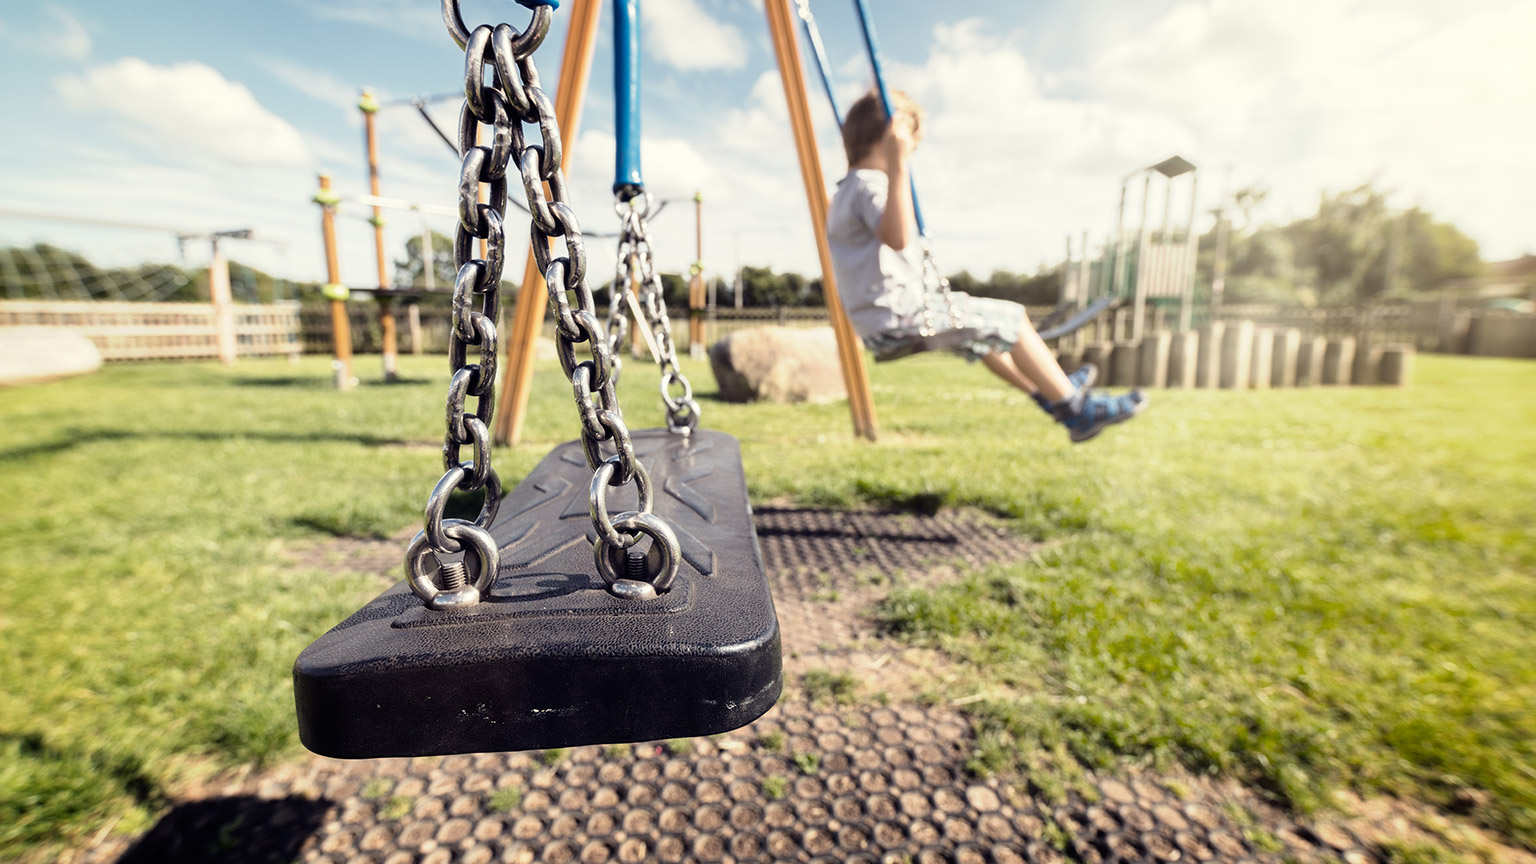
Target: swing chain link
x=683 y=413
x=502 y=110
x=618 y=321
x=936 y=283
x=514 y=99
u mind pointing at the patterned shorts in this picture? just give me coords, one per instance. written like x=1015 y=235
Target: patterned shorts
x=997 y=324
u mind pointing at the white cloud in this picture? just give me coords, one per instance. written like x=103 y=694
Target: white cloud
x=68 y=38
x=1432 y=101
x=317 y=84
x=684 y=36
x=402 y=17
x=71 y=41
x=188 y=109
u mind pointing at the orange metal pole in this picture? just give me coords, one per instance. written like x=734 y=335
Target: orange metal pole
x=341 y=327
x=861 y=403
x=528 y=316
x=370 y=106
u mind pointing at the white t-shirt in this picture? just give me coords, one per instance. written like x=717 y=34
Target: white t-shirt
x=880 y=288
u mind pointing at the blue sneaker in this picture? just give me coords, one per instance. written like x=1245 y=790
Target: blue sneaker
x=1082 y=378
x=1087 y=412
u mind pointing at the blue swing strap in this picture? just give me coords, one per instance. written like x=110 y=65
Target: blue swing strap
x=627 y=182
x=819 y=51
x=867 y=24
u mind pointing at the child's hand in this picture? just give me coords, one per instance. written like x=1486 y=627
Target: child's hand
x=900 y=137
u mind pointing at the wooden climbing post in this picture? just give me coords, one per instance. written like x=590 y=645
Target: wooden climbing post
x=861 y=403
x=528 y=315
x=698 y=297
x=341 y=327
x=370 y=106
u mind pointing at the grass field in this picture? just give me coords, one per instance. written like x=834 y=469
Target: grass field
x=1304 y=589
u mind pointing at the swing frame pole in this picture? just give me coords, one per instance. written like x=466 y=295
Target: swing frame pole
x=532 y=300
x=369 y=106
x=786 y=48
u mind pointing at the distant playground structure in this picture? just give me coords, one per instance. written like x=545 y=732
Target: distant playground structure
x=1134 y=304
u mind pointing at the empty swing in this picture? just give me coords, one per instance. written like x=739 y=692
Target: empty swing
x=928 y=336
x=617 y=594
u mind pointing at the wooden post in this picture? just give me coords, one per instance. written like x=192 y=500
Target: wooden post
x=1396 y=366
x=370 y=106
x=1261 y=364
x=528 y=315
x=1152 y=366
x=698 y=297
x=1339 y=362
x=223 y=305
x=850 y=352
x=1236 y=355
x=341 y=327
x=1208 y=355
x=1183 y=360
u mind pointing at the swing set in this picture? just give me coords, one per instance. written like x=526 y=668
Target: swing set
x=618 y=593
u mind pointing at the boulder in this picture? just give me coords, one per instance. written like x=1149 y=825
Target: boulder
x=30 y=354
x=778 y=364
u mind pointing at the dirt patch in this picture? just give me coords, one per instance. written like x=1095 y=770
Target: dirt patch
x=383 y=558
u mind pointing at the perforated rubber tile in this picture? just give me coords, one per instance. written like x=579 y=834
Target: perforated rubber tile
x=806 y=783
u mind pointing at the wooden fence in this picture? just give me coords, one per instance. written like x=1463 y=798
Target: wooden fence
x=165 y=331
x=161 y=331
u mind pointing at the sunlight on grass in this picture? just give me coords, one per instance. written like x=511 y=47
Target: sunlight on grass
x=1300 y=588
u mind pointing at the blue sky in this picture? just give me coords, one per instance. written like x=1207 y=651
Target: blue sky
x=215 y=115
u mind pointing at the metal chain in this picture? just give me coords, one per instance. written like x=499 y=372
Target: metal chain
x=517 y=99
x=682 y=411
x=618 y=322
x=932 y=279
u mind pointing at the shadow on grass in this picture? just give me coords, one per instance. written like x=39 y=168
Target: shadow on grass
x=310 y=382
x=80 y=437
x=243 y=829
x=52 y=785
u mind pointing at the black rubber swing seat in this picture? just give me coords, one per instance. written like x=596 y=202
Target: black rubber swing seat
x=942 y=340
x=549 y=658
x=953 y=337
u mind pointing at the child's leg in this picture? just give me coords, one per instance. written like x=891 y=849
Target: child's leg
x=1036 y=363
x=1002 y=366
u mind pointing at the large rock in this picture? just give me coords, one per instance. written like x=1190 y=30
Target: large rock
x=30 y=354
x=779 y=364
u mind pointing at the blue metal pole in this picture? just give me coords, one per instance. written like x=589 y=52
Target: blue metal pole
x=867 y=24
x=627 y=182
x=819 y=51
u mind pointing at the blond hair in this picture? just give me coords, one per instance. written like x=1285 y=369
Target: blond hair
x=865 y=123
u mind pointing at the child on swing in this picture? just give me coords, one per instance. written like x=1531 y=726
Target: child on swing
x=870 y=229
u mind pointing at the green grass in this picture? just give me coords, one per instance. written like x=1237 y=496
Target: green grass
x=833 y=688
x=1301 y=589
x=774 y=786
x=504 y=799
x=1304 y=589
x=808 y=763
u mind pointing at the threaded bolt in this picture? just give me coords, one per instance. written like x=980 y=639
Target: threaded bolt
x=635 y=563
x=452 y=577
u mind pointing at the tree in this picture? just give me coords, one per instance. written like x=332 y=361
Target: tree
x=409 y=272
x=1342 y=254
x=1041 y=289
